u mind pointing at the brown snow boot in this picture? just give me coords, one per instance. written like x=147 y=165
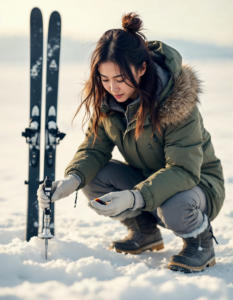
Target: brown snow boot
x=143 y=235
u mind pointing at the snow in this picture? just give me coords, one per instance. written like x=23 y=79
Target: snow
x=36 y=68
x=52 y=49
x=79 y=264
x=49 y=89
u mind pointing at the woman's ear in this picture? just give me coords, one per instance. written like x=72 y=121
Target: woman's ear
x=142 y=70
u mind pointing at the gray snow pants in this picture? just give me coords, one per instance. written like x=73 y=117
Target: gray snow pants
x=181 y=213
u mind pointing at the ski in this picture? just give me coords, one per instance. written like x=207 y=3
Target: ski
x=52 y=134
x=32 y=133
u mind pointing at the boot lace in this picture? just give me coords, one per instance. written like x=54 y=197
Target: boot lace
x=213 y=235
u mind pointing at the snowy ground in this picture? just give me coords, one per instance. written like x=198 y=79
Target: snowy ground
x=80 y=266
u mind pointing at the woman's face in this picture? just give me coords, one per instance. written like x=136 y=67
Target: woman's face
x=112 y=81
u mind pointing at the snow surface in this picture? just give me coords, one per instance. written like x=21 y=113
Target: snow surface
x=79 y=264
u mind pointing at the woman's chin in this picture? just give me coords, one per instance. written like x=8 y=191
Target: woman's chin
x=121 y=99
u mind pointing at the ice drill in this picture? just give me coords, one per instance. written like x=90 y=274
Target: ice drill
x=47 y=212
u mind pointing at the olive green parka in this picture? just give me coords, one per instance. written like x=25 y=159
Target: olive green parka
x=182 y=157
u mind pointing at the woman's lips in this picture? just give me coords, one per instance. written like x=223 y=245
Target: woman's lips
x=118 y=96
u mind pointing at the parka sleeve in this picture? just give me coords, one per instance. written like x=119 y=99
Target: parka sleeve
x=90 y=159
x=183 y=156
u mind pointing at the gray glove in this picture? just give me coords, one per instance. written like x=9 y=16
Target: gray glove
x=115 y=203
x=60 y=189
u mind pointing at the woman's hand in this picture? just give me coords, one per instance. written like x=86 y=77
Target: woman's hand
x=60 y=189
x=116 y=202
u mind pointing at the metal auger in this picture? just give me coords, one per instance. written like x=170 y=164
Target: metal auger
x=46 y=235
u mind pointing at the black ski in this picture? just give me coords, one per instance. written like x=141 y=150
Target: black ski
x=52 y=134
x=32 y=134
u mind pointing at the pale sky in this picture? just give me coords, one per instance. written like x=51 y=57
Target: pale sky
x=209 y=21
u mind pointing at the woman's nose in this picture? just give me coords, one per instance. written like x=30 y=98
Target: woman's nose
x=114 y=87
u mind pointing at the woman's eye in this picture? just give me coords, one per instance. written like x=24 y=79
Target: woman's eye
x=117 y=80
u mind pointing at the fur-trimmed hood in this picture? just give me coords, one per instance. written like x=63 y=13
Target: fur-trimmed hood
x=179 y=95
x=180 y=104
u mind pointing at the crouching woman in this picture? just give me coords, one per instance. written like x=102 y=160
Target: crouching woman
x=145 y=102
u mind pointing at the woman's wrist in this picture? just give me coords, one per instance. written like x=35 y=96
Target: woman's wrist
x=77 y=179
x=139 y=202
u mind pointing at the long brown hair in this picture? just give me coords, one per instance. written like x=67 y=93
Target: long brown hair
x=126 y=47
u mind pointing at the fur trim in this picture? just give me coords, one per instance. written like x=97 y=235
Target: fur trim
x=197 y=231
x=179 y=106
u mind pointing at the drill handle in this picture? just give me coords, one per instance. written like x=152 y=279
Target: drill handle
x=48 y=192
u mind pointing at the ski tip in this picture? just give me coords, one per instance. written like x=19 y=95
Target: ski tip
x=55 y=15
x=36 y=11
x=36 y=16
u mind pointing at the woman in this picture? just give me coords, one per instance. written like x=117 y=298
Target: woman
x=145 y=103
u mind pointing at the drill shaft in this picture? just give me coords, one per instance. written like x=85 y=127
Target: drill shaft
x=46 y=248
x=47 y=211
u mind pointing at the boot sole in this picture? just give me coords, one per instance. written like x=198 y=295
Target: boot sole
x=153 y=247
x=189 y=269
